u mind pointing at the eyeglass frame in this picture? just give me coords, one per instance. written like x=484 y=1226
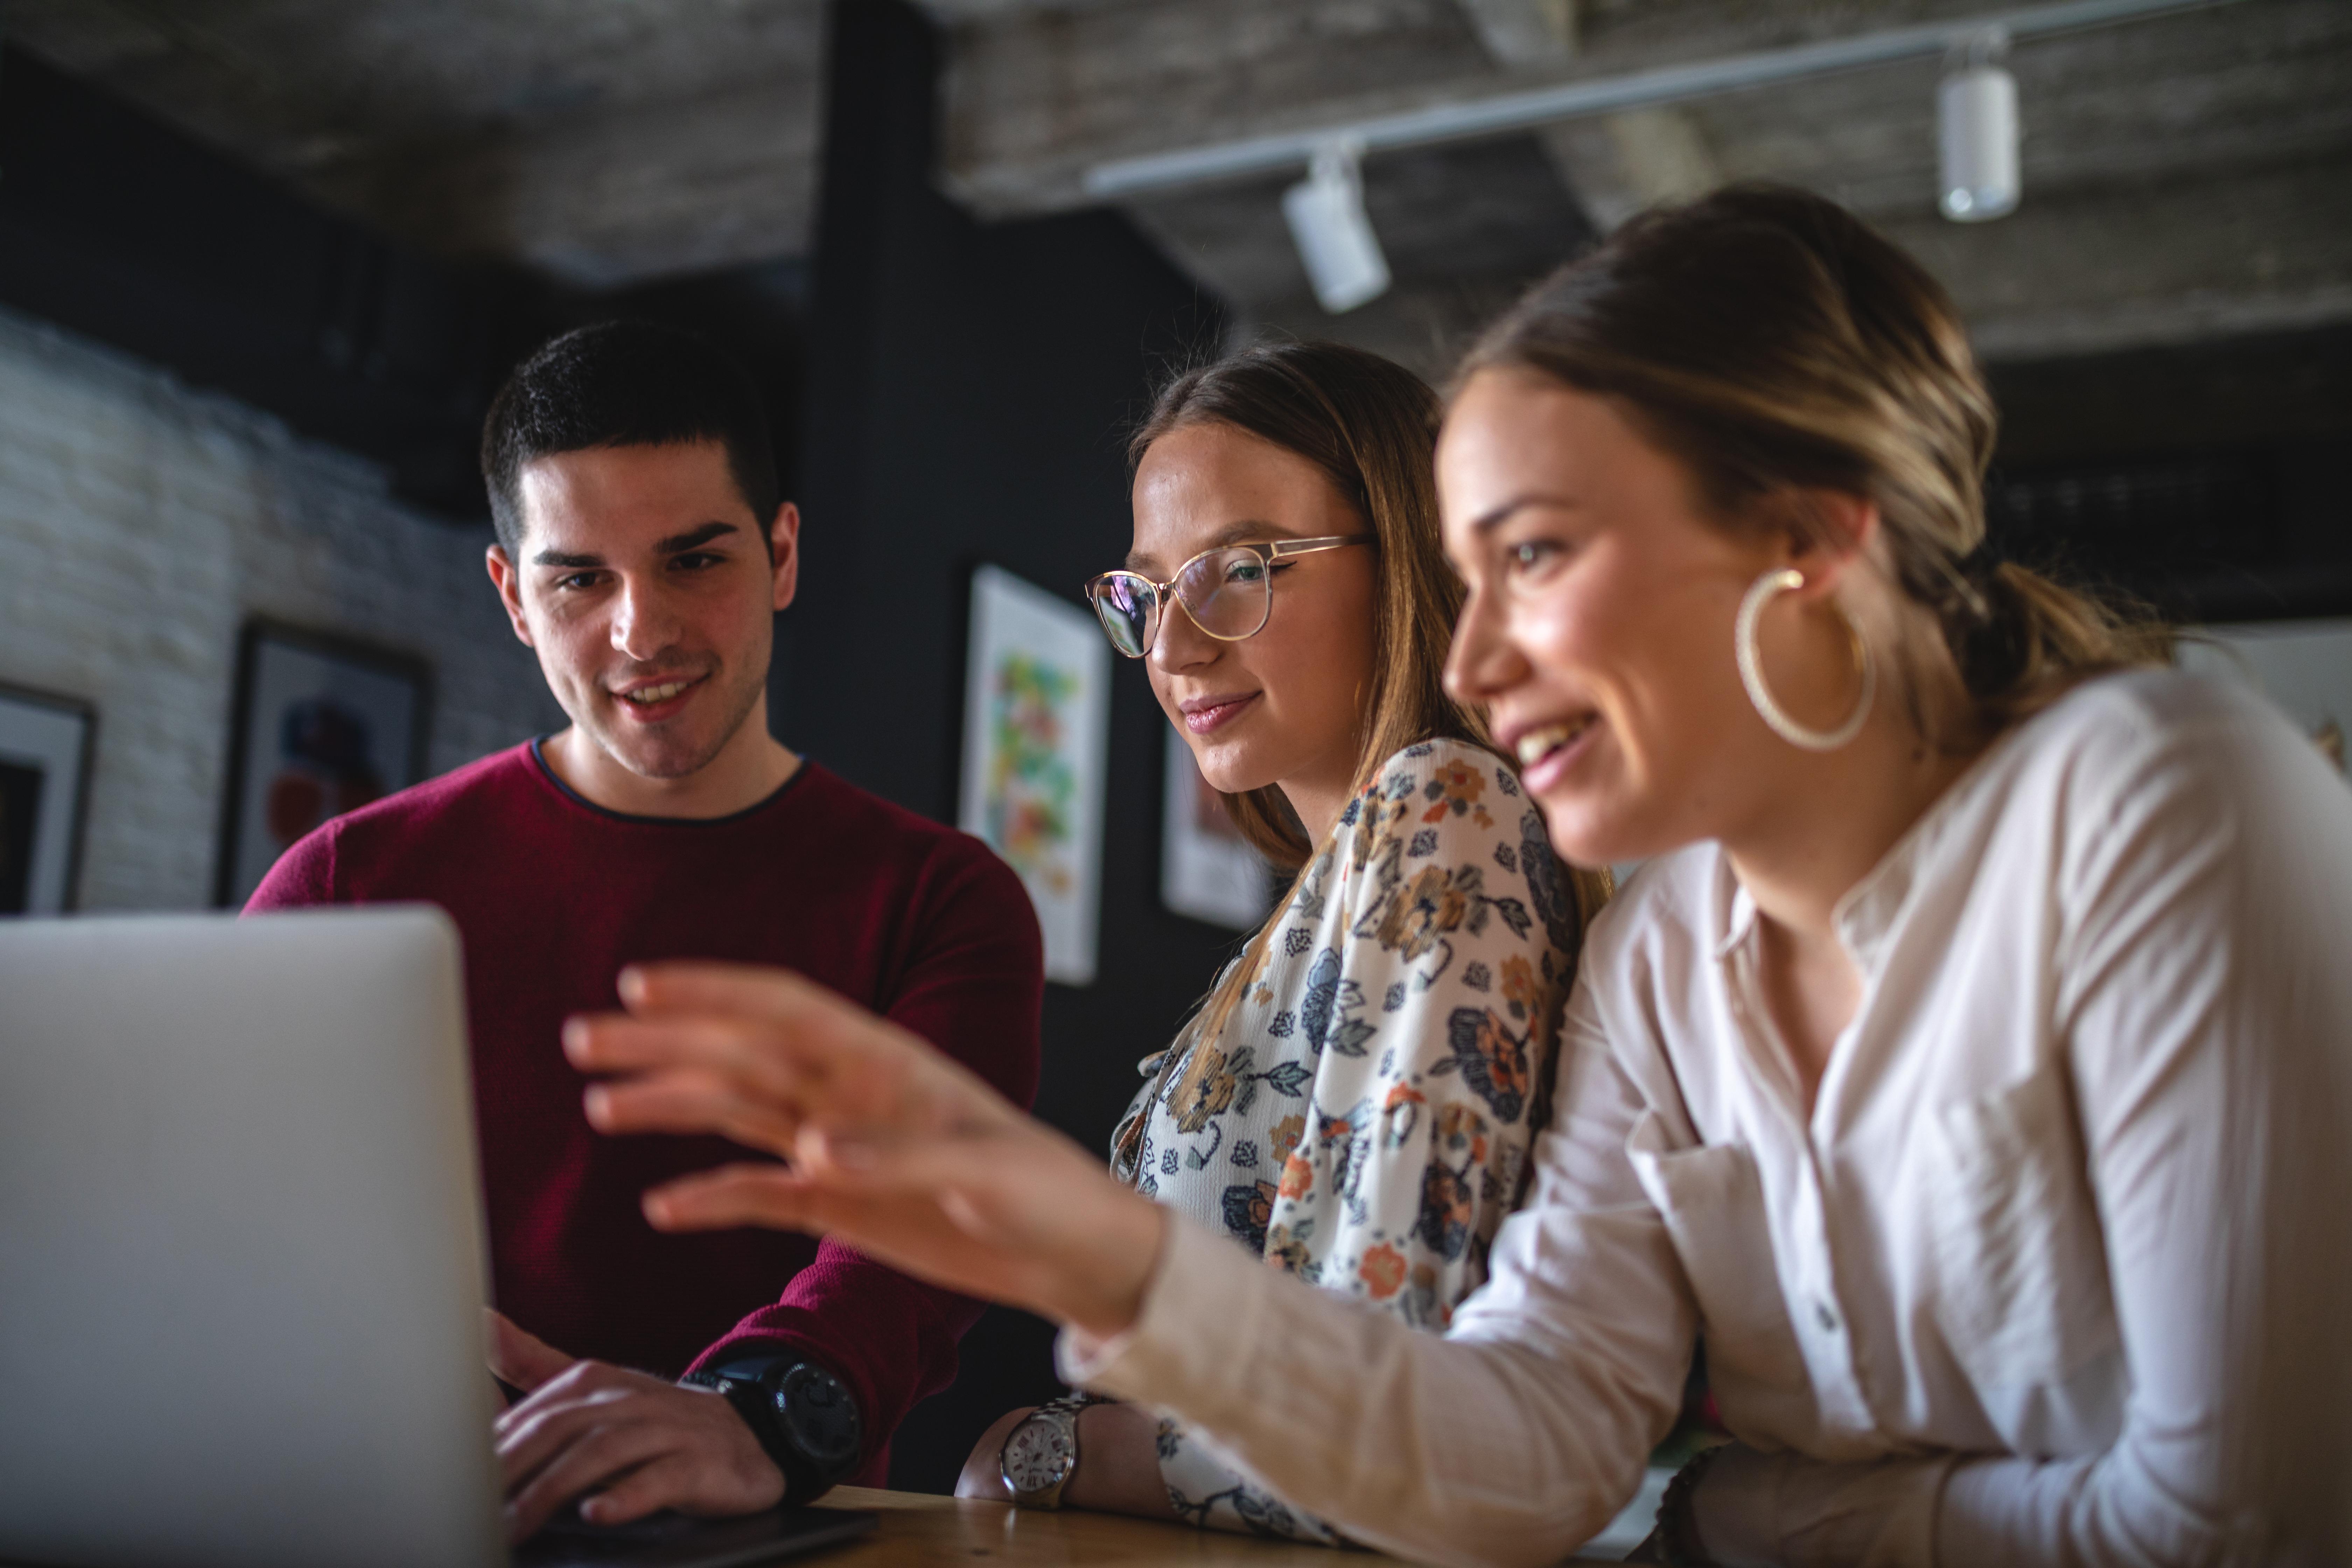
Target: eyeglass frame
x=1268 y=551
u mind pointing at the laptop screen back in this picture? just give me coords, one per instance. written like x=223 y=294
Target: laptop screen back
x=241 y=1255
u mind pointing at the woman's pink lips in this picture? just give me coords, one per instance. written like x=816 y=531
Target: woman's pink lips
x=1201 y=720
x=1554 y=765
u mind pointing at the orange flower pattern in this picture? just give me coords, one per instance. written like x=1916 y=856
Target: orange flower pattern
x=1363 y=1120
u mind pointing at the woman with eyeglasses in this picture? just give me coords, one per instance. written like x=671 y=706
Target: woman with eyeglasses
x=1355 y=1100
x=1969 y=1066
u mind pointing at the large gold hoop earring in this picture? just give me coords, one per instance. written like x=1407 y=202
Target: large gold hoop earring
x=1751 y=669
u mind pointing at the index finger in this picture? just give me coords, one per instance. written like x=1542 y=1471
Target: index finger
x=519 y=1357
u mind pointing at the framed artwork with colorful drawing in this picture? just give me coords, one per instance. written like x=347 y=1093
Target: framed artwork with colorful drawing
x=321 y=725
x=1207 y=869
x=47 y=742
x=1036 y=726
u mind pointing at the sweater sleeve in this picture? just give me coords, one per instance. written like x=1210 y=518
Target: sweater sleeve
x=972 y=985
x=304 y=875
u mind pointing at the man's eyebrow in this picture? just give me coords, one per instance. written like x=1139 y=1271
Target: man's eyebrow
x=678 y=544
x=1249 y=530
x=564 y=558
x=1495 y=517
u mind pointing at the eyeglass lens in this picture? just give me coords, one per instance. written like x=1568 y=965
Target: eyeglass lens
x=1228 y=594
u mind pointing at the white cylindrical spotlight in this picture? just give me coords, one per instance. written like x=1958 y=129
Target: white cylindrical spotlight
x=1335 y=240
x=1976 y=114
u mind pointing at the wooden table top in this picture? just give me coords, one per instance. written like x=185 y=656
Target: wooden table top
x=920 y=1530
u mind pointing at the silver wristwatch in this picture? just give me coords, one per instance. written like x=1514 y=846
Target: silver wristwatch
x=1041 y=1454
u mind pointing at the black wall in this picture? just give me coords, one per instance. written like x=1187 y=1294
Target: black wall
x=968 y=389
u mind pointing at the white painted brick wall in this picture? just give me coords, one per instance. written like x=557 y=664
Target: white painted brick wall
x=141 y=522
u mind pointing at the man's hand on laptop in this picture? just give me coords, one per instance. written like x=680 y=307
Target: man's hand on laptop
x=625 y=1443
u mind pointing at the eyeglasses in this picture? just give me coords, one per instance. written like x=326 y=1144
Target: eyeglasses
x=1228 y=592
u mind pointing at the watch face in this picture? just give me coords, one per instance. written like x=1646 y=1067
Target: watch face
x=1038 y=1456
x=820 y=1416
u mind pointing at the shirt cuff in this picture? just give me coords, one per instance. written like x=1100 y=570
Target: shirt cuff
x=1204 y=1298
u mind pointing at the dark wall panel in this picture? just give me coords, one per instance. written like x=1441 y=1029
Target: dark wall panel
x=968 y=386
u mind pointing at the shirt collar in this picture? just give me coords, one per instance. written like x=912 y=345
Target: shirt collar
x=1866 y=917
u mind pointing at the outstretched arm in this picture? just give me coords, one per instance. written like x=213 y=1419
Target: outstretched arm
x=1511 y=1443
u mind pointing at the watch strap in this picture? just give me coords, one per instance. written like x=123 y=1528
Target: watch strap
x=751 y=1384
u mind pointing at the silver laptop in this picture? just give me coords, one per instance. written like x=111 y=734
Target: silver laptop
x=241 y=1255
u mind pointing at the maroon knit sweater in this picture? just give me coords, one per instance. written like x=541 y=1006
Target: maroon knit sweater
x=553 y=896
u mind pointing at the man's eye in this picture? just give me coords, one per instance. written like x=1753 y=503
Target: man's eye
x=695 y=561
x=576 y=580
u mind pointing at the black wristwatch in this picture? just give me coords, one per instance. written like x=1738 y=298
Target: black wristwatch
x=804 y=1417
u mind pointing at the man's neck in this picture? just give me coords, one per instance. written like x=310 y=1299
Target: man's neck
x=750 y=767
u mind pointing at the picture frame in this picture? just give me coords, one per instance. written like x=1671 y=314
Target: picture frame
x=48 y=748
x=1208 y=871
x=1036 y=733
x=322 y=724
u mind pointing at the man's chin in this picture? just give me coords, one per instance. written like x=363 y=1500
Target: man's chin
x=659 y=757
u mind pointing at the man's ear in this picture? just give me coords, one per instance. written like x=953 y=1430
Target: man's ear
x=785 y=553
x=510 y=584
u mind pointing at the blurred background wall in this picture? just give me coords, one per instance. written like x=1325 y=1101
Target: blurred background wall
x=262 y=262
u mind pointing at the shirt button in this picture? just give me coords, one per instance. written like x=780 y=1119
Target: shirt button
x=1824 y=1316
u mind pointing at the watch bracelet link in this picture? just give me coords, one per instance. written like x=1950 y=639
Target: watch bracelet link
x=745 y=1385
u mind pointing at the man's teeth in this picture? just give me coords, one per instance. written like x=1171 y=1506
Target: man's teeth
x=1537 y=745
x=647 y=695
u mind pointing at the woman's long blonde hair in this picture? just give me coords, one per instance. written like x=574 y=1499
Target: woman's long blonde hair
x=1371 y=425
x=1773 y=342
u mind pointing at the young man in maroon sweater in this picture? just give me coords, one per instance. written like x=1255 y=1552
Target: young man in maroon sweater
x=643 y=550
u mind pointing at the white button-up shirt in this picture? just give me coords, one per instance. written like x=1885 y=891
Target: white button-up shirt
x=2058 y=1268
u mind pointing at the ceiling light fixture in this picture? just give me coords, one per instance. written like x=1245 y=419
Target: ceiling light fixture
x=1335 y=238
x=1977 y=113
x=1977 y=131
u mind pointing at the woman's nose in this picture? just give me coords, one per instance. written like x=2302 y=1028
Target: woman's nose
x=1481 y=662
x=1179 y=643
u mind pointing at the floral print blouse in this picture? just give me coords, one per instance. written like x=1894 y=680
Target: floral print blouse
x=1364 y=1118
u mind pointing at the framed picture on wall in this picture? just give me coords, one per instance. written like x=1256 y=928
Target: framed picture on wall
x=1207 y=869
x=46 y=743
x=321 y=726
x=1035 y=729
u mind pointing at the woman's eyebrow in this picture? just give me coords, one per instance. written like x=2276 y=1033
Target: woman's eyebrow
x=1493 y=517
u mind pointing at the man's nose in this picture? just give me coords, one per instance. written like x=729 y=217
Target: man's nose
x=644 y=626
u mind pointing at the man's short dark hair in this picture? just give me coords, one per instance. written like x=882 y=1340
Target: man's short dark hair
x=625 y=383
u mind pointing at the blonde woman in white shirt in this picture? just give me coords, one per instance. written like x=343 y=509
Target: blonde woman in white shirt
x=1969 y=1067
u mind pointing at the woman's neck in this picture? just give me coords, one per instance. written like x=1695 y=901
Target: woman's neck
x=1320 y=796
x=1810 y=844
